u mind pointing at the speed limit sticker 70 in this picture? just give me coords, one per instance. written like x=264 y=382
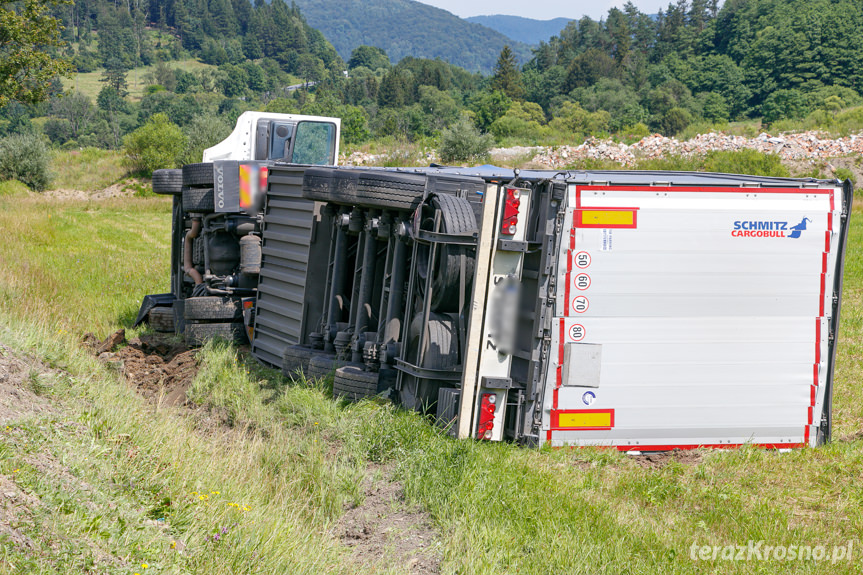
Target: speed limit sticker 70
x=580 y=304
x=577 y=332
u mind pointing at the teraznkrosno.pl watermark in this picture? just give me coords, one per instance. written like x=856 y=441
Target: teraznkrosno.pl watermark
x=761 y=551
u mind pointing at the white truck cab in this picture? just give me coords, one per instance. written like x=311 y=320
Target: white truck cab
x=261 y=136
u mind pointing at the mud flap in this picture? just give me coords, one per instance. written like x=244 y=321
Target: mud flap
x=151 y=301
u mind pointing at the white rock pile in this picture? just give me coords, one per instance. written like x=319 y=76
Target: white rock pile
x=800 y=146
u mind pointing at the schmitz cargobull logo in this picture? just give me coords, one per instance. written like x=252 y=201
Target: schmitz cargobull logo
x=768 y=229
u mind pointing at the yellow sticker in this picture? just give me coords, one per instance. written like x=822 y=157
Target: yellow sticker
x=607 y=217
x=585 y=419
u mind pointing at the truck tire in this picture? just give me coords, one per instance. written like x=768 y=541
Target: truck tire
x=167 y=181
x=442 y=352
x=198 y=175
x=161 y=319
x=323 y=365
x=296 y=357
x=199 y=333
x=213 y=308
x=456 y=217
x=394 y=191
x=330 y=185
x=352 y=383
x=200 y=200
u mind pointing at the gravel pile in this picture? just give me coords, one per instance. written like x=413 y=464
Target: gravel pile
x=802 y=146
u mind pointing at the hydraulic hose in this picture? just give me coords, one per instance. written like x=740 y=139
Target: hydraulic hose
x=188 y=266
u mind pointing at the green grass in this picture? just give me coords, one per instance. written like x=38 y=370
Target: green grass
x=135 y=472
x=89 y=169
x=730 y=162
x=90 y=83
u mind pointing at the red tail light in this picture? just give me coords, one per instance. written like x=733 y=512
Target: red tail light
x=486 y=416
x=263 y=174
x=510 y=211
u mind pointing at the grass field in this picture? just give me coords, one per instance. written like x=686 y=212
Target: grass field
x=90 y=84
x=101 y=480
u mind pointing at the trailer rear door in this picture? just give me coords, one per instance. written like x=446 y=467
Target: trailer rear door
x=692 y=316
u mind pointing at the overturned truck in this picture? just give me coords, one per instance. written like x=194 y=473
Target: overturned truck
x=639 y=310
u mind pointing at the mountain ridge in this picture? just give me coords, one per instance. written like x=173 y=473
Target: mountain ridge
x=408 y=28
x=527 y=30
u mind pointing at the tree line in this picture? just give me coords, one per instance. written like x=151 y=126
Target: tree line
x=629 y=73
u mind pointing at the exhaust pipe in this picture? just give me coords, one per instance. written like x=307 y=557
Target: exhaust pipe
x=188 y=266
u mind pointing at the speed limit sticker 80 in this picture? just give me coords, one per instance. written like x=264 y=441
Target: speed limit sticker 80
x=577 y=332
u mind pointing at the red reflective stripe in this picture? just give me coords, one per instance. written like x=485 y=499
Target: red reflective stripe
x=704 y=446
x=559 y=363
x=701 y=189
x=818 y=340
x=568 y=283
x=823 y=294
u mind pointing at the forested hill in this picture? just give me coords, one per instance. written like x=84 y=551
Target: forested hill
x=218 y=31
x=407 y=28
x=780 y=64
x=526 y=30
x=776 y=59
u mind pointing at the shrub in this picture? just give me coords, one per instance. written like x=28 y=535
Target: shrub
x=463 y=142
x=157 y=144
x=25 y=157
x=750 y=162
x=204 y=131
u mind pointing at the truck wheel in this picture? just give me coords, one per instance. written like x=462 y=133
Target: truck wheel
x=296 y=357
x=330 y=185
x=441 y=352
x=198 y=200
x=322 y=365
x=390 y=190
x=198 y=175
x=161 y=319
x=167 y=181
x=354 y=384
x=199 y=333
x=456 y=217
x=219 y=308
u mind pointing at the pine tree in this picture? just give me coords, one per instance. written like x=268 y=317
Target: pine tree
x=507 y=76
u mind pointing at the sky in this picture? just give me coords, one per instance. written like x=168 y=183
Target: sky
x=542 y=9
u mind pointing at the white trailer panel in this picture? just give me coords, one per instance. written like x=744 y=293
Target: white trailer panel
x=704 y=314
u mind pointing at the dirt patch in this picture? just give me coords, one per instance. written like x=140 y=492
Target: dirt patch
x=122 y=189
x=157 y=367
x=663 y=458
x=18 y=380
x=385 y=530
x=16 y=512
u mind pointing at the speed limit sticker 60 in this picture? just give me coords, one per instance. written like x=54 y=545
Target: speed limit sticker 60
x=582 y=281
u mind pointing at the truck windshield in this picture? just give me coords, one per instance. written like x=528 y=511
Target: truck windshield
x=315 y=143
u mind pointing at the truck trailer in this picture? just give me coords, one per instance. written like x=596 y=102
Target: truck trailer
x=642 y=311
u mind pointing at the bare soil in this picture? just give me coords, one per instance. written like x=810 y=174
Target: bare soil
x=18 y=378
x=157 y=366
x=663 y=458
x=385 y=531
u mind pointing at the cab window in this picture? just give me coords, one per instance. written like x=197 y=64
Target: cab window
x=315 y=143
